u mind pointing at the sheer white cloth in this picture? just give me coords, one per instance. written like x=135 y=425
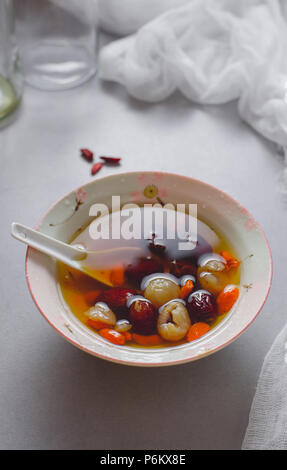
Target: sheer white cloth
x=267 y=428
x=213 y=52
x=127 y=16
x=120 y=17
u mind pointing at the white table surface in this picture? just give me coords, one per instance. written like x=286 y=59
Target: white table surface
x=54 y=396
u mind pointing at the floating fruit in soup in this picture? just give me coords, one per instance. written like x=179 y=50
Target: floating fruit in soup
x=143 y=316
x=197 y=330
x=187 y=285
x=117 y=298
x=212 y=262
x=160 y=295
x=202 y=306
x=160 y=288
x=173 y=320
x=141 y=268
x=211 y=273
x=123 y=326
x=100 y=316
x=227 y=299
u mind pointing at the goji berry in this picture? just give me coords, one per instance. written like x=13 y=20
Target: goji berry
x=87 y=154
x=96 y=168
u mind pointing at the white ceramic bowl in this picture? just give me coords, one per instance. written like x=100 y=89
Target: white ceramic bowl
x=220 y=210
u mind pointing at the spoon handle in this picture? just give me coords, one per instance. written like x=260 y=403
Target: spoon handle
x=62 y=251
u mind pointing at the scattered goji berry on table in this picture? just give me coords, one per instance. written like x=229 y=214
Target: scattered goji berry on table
x=87 y=154
x=96 y=168
x=111 y=160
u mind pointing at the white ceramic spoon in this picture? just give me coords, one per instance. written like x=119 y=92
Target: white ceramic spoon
x=70 y=255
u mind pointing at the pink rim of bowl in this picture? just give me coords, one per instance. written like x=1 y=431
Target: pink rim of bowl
x=257 y=272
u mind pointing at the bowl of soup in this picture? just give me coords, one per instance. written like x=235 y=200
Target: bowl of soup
x=174 y=270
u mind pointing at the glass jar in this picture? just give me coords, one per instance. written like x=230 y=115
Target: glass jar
x=57 y=41
x=10 y=76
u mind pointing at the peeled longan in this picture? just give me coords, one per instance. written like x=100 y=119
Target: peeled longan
x=212 y=282
x=173 y=321
x=211 y=262
x=100 y=316
x=161 y=290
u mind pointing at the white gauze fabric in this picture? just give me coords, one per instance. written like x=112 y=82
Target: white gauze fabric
x=127 y=16
x=213 y=51
x=120 y=17
x=267 y=428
